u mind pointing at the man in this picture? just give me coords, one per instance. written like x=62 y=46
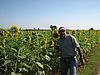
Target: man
x=67 y=46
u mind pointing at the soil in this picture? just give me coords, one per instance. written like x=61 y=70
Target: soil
x=98 y=73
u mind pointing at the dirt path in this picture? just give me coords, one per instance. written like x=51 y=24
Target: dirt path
x=98 y=73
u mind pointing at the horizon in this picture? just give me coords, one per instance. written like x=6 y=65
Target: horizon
x=46 y=28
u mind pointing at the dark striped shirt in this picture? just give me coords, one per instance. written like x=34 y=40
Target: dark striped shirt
x=67 y=46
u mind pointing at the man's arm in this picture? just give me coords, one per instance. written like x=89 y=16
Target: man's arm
x=76 y=44
x=81 y=56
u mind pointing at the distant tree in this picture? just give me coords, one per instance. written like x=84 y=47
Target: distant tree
x=34 y=28
x=77 y=30
x=38 y=28
x=91 y=29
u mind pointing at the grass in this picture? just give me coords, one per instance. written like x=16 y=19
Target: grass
x=93 y=64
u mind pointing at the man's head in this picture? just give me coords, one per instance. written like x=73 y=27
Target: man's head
x=62 y=32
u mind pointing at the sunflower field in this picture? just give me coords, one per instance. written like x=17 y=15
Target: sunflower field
x=24 y=52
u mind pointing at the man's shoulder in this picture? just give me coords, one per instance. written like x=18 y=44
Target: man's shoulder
x=69 y=36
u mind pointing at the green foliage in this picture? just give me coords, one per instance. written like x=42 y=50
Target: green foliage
x=33 y=52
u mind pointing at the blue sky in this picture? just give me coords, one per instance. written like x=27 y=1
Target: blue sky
x=73 y=14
